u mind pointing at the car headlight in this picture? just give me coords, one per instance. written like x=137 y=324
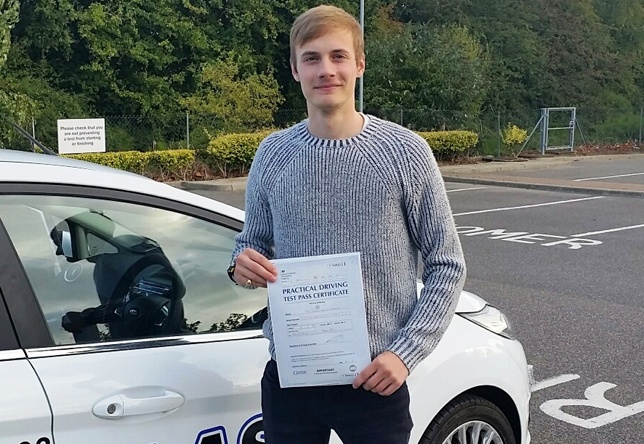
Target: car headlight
x=491 y=318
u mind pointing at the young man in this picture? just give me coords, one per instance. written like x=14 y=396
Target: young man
x=344 y=182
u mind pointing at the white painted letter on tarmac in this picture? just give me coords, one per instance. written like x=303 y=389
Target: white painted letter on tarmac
x=523 y=237
x=574 y=243
x=463 y=230
x=594 y=398
x=498 y=233
x=528 y=238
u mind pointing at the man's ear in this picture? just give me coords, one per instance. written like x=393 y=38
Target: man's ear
x=362 y=65
x=294 y=72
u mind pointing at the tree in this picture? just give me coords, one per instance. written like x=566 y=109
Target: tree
x=145 y=58
x=424 y=68
x=624 y=20
x=236 y=102
x=14 y=105
x=8 y=18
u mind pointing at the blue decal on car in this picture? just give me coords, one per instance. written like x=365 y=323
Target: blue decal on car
x=252 y=432
x=215 y=435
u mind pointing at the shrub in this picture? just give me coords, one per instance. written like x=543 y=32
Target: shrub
x=513 y=136
x=119 y=139
x=155 y=164
x=450 y=144
x=232 y=153
x=618 y=127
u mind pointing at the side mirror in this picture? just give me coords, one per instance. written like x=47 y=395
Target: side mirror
x=66 y=244
x=64 y=235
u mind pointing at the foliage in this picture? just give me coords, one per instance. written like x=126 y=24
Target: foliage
x=236 y=103
x=233 y=322
x=34 y=98
x=618 y=127
x=17 y=108
x=512 y=135
x=8 y=18
x=119 y=139
x=14 y=105
x=548 y=53
x=232 y=153
x=227 y=61
x=152 y=164
x=450 y=144
x=421 y=67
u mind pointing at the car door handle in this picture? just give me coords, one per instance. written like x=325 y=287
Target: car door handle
x=121 y=405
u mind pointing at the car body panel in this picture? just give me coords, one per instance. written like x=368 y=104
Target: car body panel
x=218 y=381
x=468 y=357
x=24 y=410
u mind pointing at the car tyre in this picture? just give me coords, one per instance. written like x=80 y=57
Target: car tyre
x=469 y=419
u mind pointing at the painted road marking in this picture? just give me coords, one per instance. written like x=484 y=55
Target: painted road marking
x=466 y=189
x=492 y=210
x=594 y=398
x=551 y=382
x=523 y=237
x=612 y=230
x=608 y=177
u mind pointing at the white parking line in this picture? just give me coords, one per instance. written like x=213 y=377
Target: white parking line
x=527 y=206
x=551 y=382
x=611 y=230
x=466 y=189
x=608 y=177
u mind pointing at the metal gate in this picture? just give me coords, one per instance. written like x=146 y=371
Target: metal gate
x=544 y=124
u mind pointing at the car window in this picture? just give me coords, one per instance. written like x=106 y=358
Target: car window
x=104 y=270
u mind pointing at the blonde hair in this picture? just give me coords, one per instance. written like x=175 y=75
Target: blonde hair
x=320 y=20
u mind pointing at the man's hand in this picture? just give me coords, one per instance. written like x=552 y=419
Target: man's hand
x=384 y=375
x=73 y=322
x=253 y=269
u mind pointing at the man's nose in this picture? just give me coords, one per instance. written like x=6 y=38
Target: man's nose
x=327 y=69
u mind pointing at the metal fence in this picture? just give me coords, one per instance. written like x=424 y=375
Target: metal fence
x=146 y=133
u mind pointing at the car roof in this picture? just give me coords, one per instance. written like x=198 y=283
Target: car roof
x=26 y=167
x=25 y=157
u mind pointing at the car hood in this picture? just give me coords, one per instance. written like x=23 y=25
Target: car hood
x=467 y=303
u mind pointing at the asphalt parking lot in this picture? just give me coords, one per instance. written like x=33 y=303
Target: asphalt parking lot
x=559 y=247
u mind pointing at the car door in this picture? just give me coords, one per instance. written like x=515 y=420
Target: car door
x=134 y=329
x=24 y=412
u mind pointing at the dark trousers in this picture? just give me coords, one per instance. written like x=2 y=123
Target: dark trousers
x=306 y=415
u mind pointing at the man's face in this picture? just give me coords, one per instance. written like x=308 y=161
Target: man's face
x=327 y=69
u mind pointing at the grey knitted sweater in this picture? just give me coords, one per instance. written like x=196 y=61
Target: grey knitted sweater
x=379 y=193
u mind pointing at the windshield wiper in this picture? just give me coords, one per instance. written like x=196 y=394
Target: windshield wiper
x=30 y=137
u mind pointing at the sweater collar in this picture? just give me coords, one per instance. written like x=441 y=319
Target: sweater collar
x=309 y=139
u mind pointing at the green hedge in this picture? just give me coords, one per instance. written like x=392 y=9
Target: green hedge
x=151 y=163
x=232 y=154
x=450 y=144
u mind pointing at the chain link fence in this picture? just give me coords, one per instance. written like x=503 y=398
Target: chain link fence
x=131 y=132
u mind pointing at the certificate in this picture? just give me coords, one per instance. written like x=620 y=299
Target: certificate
x=319 y=321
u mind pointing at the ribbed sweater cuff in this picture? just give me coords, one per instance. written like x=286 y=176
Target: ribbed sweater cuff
x=408 y=351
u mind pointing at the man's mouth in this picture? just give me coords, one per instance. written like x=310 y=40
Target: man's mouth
x=327 y=87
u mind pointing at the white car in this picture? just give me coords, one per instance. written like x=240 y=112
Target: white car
x=118 y=323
